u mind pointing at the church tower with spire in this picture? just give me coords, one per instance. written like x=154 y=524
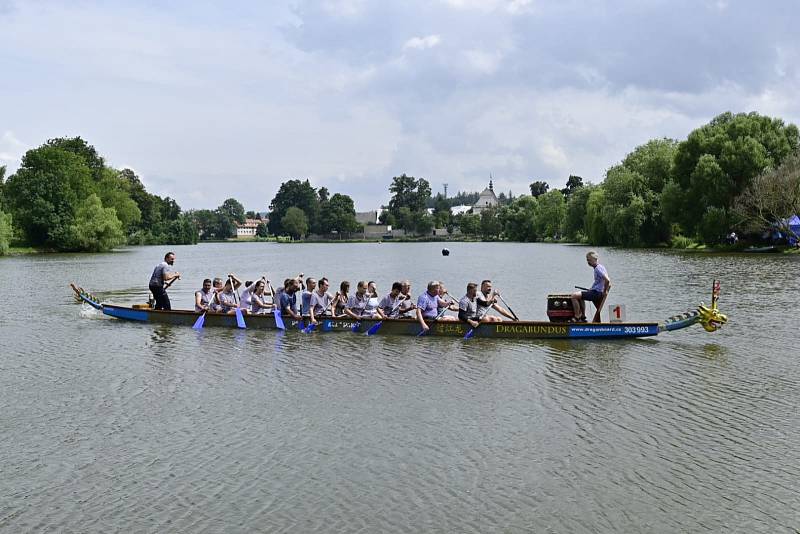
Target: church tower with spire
x=487 y=199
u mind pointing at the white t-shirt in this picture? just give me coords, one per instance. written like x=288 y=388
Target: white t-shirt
x=321 y=304
x=244 y=300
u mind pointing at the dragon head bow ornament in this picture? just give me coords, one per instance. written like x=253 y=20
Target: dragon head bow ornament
x=710 y=318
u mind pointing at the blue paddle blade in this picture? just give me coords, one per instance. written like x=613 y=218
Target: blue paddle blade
x=374 y=328
x=310 y=328
x=240 y=318
x=279 y=320
x=301 y=326
x=469 y=333
x=198 y=324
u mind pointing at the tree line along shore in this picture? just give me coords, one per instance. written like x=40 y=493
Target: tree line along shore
x=738 y=173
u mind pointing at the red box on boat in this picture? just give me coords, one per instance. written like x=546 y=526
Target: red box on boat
x=559 y=308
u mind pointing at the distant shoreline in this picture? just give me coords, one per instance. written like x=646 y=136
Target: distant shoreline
x=29 y=251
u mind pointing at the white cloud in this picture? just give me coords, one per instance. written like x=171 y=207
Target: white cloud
x=513 y=7
x=482 y=61
x=196 y=96
x=11 y=151
x=344 y=8
x=421 y=43
x=520 y=6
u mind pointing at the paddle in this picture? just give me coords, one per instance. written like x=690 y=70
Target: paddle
x=471 y=331
x=239 y=316
x=198 y=324
x=422 y=330
x=277 y=311
x=509 y=307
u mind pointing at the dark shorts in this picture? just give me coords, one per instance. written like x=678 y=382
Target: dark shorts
x=592 y=295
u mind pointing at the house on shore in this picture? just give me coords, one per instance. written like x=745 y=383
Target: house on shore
x=248 y=228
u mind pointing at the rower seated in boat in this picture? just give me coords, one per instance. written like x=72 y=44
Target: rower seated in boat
x=215 y=306
x=407 y=306
x=321 y=303
x=258 y=298
x=288 y=299
x=373 y=300
x=305 y=298
x=227 y=298
x=487 y=300
x=468 y=306
x=340 y=299
x=357 y=303
x=204 y=297
x=428 y=305
x=389 y=306
x=445 y=303
x=244 y=298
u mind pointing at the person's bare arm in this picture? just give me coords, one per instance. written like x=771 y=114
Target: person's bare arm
x=236 y=281
x=421 y=320
x=198 y=300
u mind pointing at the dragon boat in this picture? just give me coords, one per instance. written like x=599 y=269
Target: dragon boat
x=709 y=317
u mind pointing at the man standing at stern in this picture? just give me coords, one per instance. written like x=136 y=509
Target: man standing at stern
x=597 y=293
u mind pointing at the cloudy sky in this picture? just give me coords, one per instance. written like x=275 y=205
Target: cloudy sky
x=207 y=100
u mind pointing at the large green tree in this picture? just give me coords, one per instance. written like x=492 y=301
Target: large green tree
x=596 y=229
x=469 y=224
x=410 y=196
x=2 y=184
x=297 y=194
x=45 y=193
x=295 y=222
x=84 y=150
x=441 y=211
x=6 y=232
x=422 y=222
x=233 y=210
x=161 y=220
x=539 y=188
x=338 y=214
x=771 y=199
x=551 y=213
x=114 y=192
x=519 y=219
x=719 y=160
x=573 y=184
x=95 y=228
x=575 y=216
x=491 y=225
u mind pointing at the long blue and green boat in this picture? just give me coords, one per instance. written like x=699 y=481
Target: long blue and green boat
x=708 y=317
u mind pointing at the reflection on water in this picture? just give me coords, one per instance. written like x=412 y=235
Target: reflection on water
x=113 y=426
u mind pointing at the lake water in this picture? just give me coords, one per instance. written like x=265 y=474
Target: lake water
x=110 y=426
